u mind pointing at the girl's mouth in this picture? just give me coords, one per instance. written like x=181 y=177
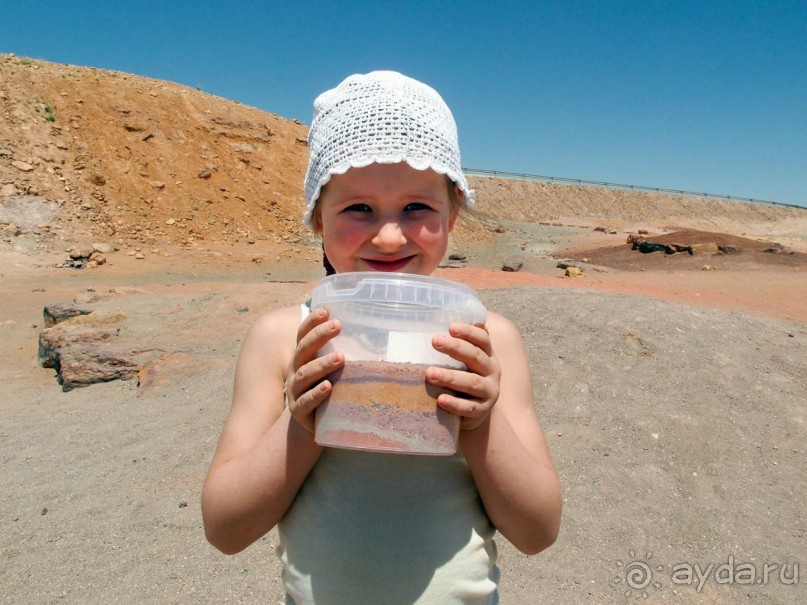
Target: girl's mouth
x=388 y=265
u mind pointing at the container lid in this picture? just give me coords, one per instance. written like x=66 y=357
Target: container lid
x=398 y=289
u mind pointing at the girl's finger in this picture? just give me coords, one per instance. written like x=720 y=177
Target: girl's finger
x=461 y=407
x=303 y=408
x=308 y=375
x=472 y=414
x=474 y=358
x=316 y=317
x=469 y=383
x=313 y=340
x=476 y=334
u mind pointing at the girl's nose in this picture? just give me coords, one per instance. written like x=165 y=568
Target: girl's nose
x=389 y=236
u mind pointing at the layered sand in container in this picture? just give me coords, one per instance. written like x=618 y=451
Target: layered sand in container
x=380 y=399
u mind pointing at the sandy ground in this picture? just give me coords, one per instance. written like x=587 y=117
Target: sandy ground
x=673 y=397
x=673 y=401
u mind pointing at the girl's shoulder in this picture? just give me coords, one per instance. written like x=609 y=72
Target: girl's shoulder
x=276 y=328
x=281 y=319
x=501 y=328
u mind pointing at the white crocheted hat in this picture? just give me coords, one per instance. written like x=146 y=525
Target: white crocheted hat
x=381 y=117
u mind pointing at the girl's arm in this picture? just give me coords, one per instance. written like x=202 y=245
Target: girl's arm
x=502 y=439
x=266 y=450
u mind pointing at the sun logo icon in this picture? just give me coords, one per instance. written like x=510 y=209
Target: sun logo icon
x=637 y=574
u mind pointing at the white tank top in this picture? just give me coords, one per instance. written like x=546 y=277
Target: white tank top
x=388 y=529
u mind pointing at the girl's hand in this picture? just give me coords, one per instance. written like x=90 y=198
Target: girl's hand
x=477 y=387
x=306 y=384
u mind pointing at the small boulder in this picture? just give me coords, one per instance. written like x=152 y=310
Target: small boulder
x=512 y=265
x=574 y=272
x=59 y=312
x=707 y=248
x=79 y=253
x=12 y=229
x=103 y=248
x=243 y=147
x=23 y=166
x=97 y=258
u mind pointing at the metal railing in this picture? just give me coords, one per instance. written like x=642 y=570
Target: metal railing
x=607 y=185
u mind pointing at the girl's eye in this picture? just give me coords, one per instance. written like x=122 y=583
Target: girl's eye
x=414 y=206
x=358 y=208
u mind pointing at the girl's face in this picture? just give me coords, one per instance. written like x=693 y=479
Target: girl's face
x=386 y=217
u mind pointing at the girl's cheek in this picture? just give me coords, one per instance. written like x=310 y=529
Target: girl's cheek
x=433 y=231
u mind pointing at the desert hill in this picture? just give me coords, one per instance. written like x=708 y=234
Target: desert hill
x=121 y=155
x=88 y=154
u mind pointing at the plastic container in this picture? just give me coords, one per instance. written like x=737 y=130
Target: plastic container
x=381 y=400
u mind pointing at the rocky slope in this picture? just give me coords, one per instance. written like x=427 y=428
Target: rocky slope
x=108 y=154
x=88 y=153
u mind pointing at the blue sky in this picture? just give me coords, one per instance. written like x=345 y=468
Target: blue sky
x=707 y=96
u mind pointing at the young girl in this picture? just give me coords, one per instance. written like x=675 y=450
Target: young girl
x=384 y=188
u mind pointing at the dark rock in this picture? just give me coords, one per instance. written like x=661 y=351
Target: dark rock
x=457 y=256
x=512 y=265
x=81 y=353
x=59 y=312
x=648 y=247
x=453 y=264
